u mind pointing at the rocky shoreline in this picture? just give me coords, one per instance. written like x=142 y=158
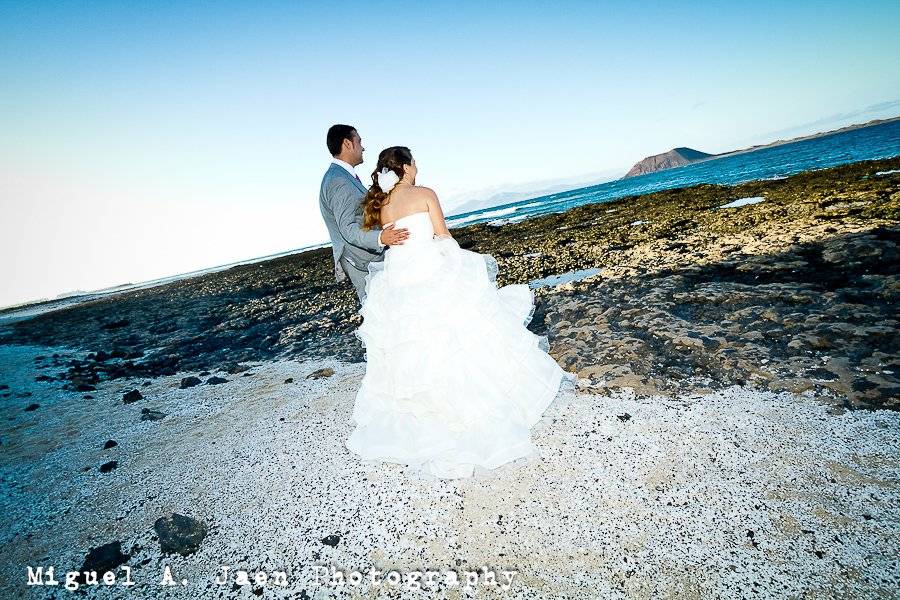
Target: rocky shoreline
x=797 y=292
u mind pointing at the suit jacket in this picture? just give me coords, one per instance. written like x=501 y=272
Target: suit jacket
x=340 y=201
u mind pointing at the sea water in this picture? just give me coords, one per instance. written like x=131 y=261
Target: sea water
x=776 y=162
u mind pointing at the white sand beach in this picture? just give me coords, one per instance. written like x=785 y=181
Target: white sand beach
x=733 y=494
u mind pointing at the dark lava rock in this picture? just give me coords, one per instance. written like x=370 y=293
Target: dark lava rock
x=107 y=557
x=780 y=319
x=289 y=380
x=624 y=417
x=216 y=380
x=179 y=534
x=331 y=540
x=152 y=415
x=110 y=444
x=109 y=466
x=132 y=396
x=190 y=382
x=32 y=406
x=820 y=373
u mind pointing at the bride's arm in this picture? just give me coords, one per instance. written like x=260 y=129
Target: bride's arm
x=436 y=214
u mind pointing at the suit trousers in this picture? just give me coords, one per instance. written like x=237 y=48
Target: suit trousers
x=357 y=278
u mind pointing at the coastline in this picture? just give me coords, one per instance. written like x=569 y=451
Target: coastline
x=826 y=240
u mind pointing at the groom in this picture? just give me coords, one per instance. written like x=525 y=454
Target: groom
x=340 y=201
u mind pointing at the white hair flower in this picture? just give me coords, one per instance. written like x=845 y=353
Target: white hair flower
x=387 y=179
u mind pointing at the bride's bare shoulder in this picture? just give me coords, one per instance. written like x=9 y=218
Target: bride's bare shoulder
x=426 y=191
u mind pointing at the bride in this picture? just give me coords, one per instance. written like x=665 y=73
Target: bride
x=454 y=379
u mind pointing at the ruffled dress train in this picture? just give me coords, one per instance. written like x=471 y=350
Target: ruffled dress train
x=454 y=379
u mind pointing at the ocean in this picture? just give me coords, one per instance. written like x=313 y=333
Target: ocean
x=868 y=143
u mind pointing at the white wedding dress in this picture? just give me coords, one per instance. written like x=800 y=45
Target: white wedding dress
x=454 y=379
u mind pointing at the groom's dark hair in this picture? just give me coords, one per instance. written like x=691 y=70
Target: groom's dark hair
x=336 y=136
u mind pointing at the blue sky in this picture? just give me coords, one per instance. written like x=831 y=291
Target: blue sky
x=147 y=139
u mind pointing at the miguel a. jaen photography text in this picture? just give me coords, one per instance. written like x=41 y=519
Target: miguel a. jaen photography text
x=323 y=576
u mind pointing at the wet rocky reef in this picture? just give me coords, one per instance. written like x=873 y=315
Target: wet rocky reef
x=796 y=292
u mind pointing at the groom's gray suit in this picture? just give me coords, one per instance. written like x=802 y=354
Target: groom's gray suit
x=340 y=201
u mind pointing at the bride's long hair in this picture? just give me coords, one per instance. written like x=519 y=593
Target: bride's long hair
x=393 y=158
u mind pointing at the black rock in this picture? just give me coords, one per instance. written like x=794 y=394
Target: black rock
x=190 y=382
x=87 y=397
x=624 y=417
x=110 y=444
x=132 y=396
x=289 y=380
x=179 y=534
x=152 y=415
x=102 y=559
x=115 y=324
x=32 y=406
x=820 y=373
x=331 y=540
x=109 y=466
x=216 y=380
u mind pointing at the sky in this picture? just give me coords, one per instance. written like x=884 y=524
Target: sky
x=145 y=139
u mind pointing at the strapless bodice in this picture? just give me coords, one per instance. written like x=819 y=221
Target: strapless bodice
x=419 y=226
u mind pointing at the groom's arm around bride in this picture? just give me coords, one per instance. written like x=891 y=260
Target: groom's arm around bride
x=346 y=199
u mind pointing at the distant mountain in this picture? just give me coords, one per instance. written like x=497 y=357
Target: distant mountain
x=676 y=157
x=683 y=156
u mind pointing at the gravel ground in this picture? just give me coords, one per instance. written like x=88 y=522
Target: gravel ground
x=736 y=493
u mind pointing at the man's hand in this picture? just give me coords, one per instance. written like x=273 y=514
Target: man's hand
x=393 y=237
